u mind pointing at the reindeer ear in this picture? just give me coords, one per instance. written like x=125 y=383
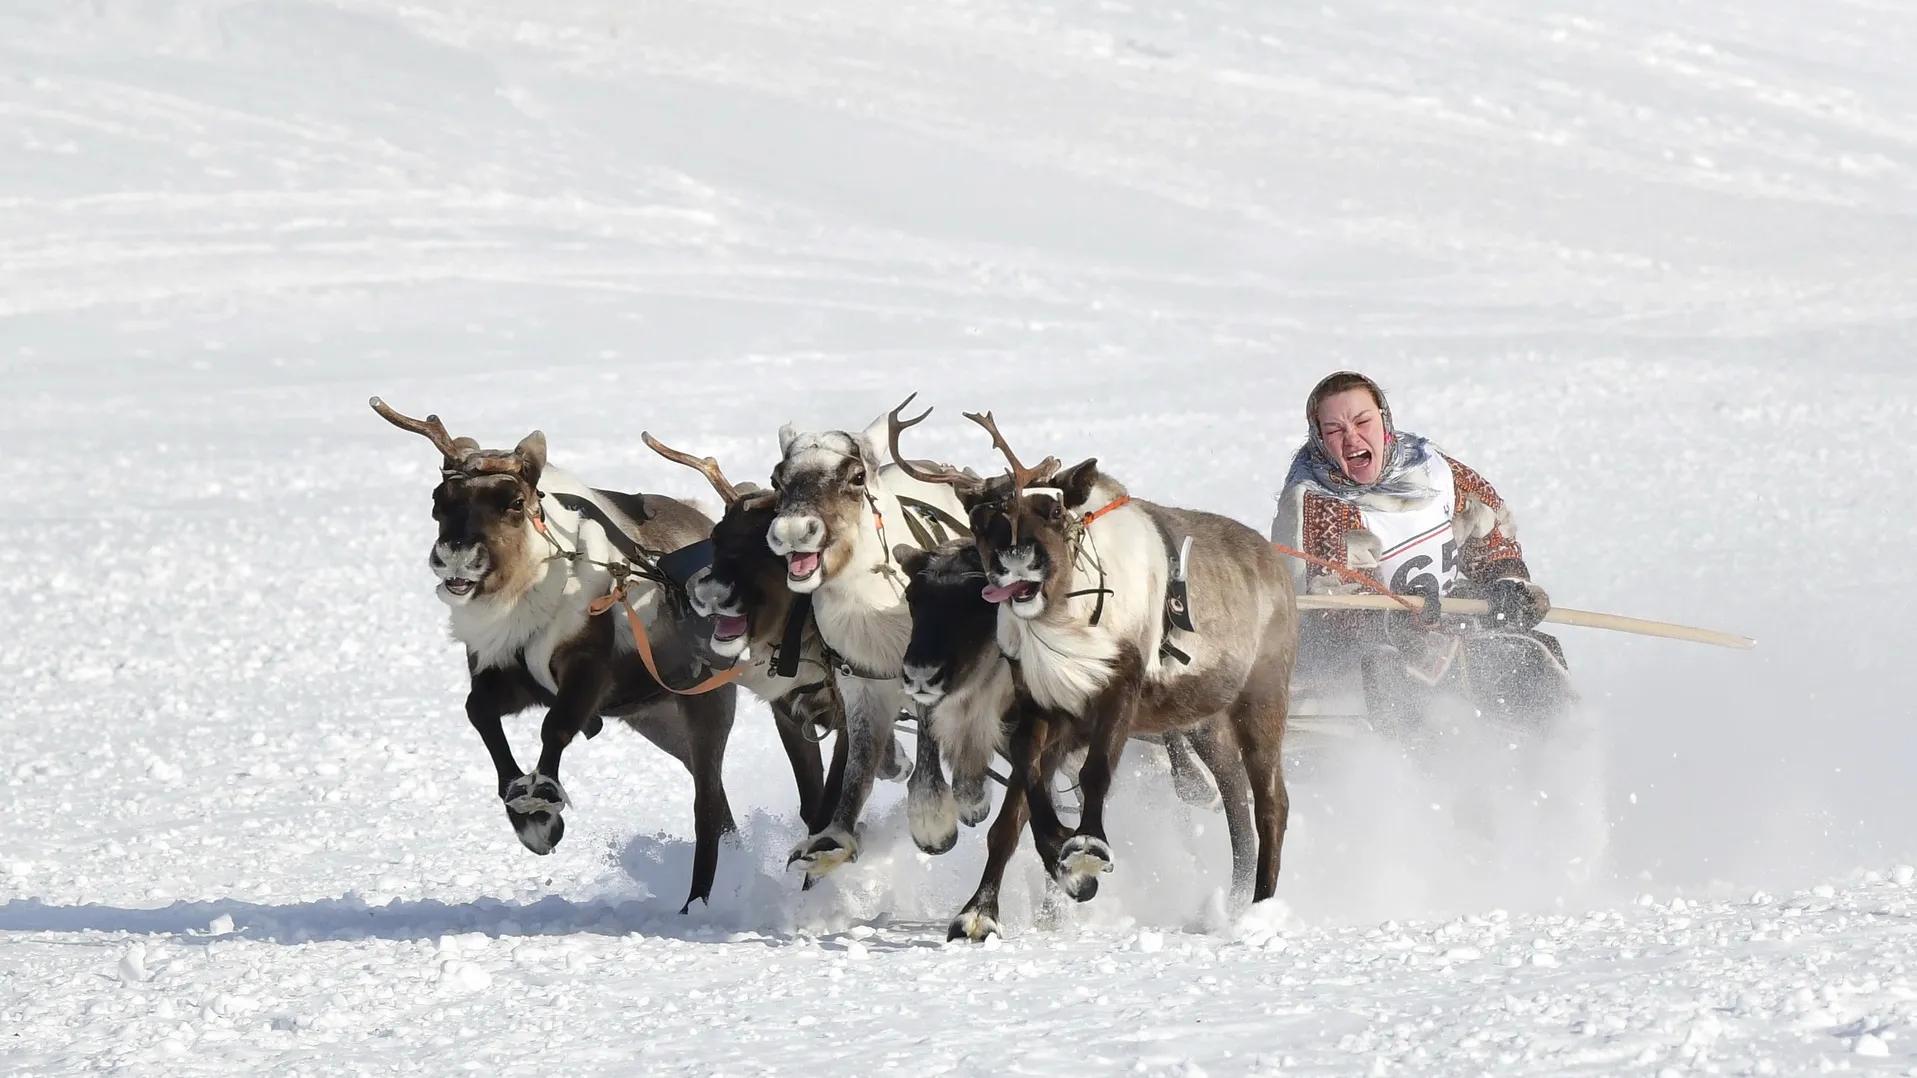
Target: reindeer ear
x=466 y=446
x=910 y=558
x=787 y=435
x=531 y=452
x=1077 y=482
x=869 y=453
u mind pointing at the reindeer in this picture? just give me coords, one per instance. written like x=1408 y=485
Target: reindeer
x=524 y=555
x=837 y=497
x=743 y=592
x=969 y=703
x=961 y=685
x=1081 y=571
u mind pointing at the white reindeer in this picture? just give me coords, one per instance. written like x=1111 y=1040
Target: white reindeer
x=838 y=517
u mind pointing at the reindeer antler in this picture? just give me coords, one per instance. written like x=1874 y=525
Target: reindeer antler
x=1021 y=475
x=705 y=466
x=946 y=475
x=435 y=431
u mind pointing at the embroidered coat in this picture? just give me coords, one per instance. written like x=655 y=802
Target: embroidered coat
x=1463 y=535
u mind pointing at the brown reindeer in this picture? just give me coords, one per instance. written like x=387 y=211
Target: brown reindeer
x=969 y=703
x=1081 y=571
x=962 y=690
x=743 y=592
x=522 y=553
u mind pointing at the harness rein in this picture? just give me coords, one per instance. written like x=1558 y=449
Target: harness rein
x=639 y=562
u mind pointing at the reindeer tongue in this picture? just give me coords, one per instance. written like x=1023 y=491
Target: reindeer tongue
x=729 y=628
x=995 y=593
x=800 y=566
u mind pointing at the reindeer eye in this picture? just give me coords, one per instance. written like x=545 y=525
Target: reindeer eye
x=858 y=478
x=519 y=503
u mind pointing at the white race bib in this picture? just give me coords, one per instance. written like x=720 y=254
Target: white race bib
x=1419 y=552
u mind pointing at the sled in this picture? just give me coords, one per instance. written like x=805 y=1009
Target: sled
x=1366 y=666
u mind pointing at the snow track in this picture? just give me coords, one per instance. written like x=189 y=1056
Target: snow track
x=1650 y=269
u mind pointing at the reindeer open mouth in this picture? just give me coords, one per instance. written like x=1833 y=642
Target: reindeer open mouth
x=729 y=627
x=803 y=565
x=459 y=586
x=1018 y=591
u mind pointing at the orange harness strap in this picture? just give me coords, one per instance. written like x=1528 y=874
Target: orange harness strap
x=1352 y=575
x=643 y=644
x=1086 y=520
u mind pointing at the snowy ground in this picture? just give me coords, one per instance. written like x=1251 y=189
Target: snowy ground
x=1648 y=266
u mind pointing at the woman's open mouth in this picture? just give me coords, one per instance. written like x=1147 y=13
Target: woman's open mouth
x=459 y=585
x=1023 y=591
x=801 y=566
x=728 y=627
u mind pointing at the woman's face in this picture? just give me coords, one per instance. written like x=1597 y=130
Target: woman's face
x=1353 y=431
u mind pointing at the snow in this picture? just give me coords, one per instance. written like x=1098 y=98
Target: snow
x=1647 y=266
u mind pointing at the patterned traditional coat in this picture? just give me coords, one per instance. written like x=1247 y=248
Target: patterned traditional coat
x=1462 y=535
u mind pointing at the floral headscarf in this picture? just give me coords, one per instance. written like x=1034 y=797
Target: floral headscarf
x=1406 y=455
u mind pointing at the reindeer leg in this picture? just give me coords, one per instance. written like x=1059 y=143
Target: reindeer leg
x=834 y=783
x=929 y=805
x=1259 y=715
x=979 y=918
x=496 y=693
x=803 y=753
x=534 y=801
x=973 y=800
x=708 y=721
x=869 y=709
x=1086 y=854
x=1192 y=783
x=895 y=764
x=1039 y=775
x=1217 y=745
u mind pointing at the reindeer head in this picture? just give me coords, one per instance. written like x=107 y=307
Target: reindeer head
x=825 y=485
x=744 y=585
x=1029 y=544
x=1023 y=534
x=951 y=623
x=487 y=506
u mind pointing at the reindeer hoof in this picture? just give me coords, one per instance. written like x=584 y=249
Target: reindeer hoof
x=939 y=845
x=974 y=925
x=934 y=822
x=538 y=831
x=1079 y=888
x=535 y=793
x=823 y=852
x=533 y=804
x=897 y=765
x=974 y=805
x=1080 y=861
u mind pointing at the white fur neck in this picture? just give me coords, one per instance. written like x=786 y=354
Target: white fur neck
x=1064 y=660
x=861 y=609
x=968 y=721
x=501 y=630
